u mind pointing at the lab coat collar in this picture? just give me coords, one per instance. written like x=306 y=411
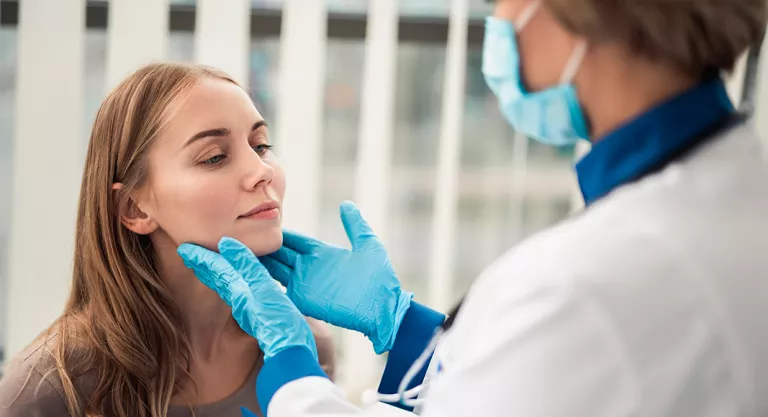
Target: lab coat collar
x=635 y=149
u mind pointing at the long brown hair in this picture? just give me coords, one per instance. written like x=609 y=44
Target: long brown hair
x=120 y=320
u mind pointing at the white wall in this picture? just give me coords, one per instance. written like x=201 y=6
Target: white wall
x=761 y=106
x=47 y=164
x=7 y=62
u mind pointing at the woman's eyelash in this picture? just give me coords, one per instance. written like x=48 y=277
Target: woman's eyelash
x=215 y=160
x=220 y=158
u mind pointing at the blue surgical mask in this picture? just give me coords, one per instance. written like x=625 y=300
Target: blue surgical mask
x=552 y=116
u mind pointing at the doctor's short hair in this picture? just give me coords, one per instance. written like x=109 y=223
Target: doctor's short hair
x=696 y=36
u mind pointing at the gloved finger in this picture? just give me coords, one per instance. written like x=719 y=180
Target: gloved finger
x=360 y=234
x=278 y=270
x=299 y=243
x=195 y=254
x=285 y=256
x=243 y=260
x=209 y=267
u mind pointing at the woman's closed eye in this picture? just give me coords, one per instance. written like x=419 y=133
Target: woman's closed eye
x=213 y=155
x=214 y=160
x=262 y=149
x=220 y=158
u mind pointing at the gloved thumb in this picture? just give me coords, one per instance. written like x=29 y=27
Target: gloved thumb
x=360 y=234
x=241 y=258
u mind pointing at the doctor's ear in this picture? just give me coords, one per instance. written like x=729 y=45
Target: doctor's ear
x=131 y=215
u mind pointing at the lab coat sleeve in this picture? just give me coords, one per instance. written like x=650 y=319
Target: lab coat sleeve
x=292 y=384
x=319 y=397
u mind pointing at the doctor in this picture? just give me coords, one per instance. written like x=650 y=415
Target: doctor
x=651 y=302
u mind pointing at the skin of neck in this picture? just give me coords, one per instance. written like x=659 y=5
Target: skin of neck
x=207 y=318
x=222 y=355
x=615 y=87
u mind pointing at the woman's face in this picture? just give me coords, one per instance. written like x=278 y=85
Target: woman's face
x=212 y=174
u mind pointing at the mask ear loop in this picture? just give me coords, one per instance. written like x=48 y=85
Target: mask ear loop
x=578 y=54
x=527 y=15
x=574 y=62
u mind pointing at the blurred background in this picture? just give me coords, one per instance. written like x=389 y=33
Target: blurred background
x=377 y=101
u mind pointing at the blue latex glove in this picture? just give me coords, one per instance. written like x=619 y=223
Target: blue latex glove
x=258 y=304
x=356 y=290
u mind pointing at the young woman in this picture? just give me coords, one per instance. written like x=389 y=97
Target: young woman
x=178 y=153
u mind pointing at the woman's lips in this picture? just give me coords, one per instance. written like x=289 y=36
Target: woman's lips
x=264 y=211
x=264 y=214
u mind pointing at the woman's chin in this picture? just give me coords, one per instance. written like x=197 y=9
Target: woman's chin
x=263 y=243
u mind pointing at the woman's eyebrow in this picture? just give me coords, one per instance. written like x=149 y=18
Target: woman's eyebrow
x=218 y=132
x=257 y=125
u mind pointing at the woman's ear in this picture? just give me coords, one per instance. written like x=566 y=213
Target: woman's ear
x=131 y=216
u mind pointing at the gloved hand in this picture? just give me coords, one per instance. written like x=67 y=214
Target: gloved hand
x=356 y=290
x=258 y=304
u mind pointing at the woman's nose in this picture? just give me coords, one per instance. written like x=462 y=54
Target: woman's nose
x=256 y=171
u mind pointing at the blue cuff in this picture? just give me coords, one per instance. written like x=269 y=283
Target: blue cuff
x=287 y=366
x=246 y=412
x=412 y=338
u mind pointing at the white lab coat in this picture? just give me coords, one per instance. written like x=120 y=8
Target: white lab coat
x=653 y=302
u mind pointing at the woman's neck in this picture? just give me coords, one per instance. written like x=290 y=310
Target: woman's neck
x=222 y=355
x=615 y=87
x=207 y=318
